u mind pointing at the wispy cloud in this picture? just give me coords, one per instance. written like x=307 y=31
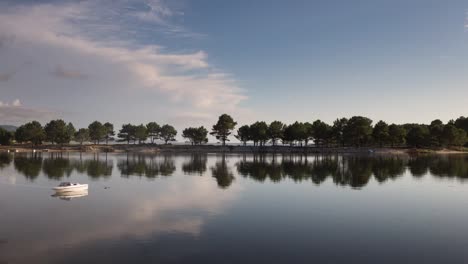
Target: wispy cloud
x=64 y=73
x=4 y=77
x=466 y=19
x=5 y=40
x=154 y=11
x=15 y=113
x=100 y=34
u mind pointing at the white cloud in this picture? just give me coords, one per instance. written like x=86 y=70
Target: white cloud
x=16 y=102
x=91 y=30
x=466 y=19
x=15 y=113
x=155 y=11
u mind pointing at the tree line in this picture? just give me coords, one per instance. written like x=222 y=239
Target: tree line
x=60 y=132
x=357 y=131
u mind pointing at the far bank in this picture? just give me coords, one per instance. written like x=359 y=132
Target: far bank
x=154 y=149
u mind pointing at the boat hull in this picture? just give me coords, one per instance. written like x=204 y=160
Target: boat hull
x=81 y=187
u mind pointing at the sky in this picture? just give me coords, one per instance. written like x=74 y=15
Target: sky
x=186 y=62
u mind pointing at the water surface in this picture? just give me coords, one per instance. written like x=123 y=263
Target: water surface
x=234 y=209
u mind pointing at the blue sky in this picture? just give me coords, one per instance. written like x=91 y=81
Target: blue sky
x=185 y=62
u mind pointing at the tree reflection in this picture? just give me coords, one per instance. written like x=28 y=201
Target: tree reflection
x=148 y=166
x=29 y=166
x=453 y=166
x=5 y=160
x=56 y=166
x=260 y=170
x=351 y=170
x=323 y=167
x=357 y=173
x=297 y=168
x=439 y=166
x=354 y=171
x=419 y=165
x=95 y=168
x=222 y=173
x=196 y=164
x=167 y=166
x=385 y=168
x=345 y=170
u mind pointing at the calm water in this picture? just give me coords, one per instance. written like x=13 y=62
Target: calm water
x=235 y=209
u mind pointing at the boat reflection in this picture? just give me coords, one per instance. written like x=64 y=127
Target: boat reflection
x=69 y=195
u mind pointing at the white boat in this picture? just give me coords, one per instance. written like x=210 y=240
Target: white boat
x=70 y=187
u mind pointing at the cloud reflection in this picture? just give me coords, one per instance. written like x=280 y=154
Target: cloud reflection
x=130 y=209
x=156 y=195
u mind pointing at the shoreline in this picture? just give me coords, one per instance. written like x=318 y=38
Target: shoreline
x=155 y=149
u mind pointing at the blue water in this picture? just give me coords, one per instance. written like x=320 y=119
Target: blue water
x=234 y=209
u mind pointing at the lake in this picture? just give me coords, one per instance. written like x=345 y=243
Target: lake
x=213 y=208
